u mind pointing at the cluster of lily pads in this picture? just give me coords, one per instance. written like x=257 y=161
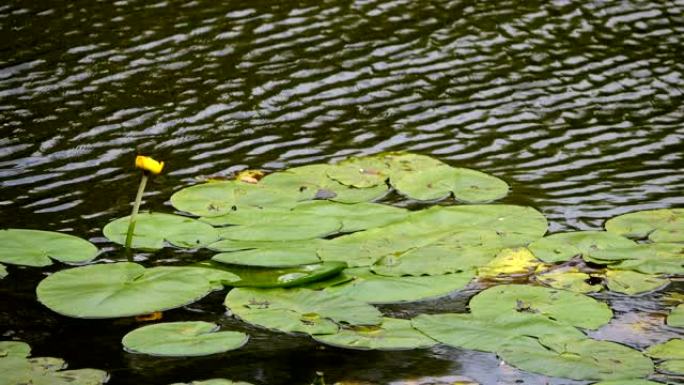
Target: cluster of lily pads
x=309 y=250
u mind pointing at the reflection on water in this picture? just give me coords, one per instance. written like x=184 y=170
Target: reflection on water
x=577 y=104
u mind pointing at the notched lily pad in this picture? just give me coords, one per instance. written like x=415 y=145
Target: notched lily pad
x=392 y=334
x=361 y=172
x=661 y=225
x=36 y=248
x=152 y=229
x=648 y=258
x=120 y=290
x=179 y=339
x=562 y=247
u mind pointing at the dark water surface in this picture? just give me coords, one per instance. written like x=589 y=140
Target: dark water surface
x=578 y=105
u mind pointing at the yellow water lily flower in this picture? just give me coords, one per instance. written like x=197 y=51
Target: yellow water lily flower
x=148 y=164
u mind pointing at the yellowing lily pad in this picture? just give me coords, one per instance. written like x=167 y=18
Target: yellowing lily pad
x=120 y=290
x=568 y=279
x=299 y=310
x=178 y=339
x=510 y=262
x=563 y=246
x=676 y=317
x=662 y=225
x=672 y=354
x=575 y=358
x=36 y=248
x=563 y=306
x=392 y=334
x=152 y=229
x=631 y=282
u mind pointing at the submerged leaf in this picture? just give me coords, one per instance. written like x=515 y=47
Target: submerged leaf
x=152 y=229
x=178 y=339
x=36 y=247
x=392 y=334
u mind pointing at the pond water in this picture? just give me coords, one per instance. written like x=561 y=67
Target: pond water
x=578 y=105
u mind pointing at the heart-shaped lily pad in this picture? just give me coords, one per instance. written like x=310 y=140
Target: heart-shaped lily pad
x=563 y=246
x=275 y=277
x=178 y=339
x=392 y=334
x=36 y=247
x=488 y=334
x=563 y=306
x=662 y=225
x=631 y=282
x=676 y=317
x=120 y=290
x=152 y=229
x=300 y=310
x=372 y=288
x=578 y=359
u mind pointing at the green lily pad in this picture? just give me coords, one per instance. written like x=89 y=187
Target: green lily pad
x=631 y=282
x=672 y=366
x=649 y=258
x=269 y=257
x=3 y=271
x=300 y=310
x=628 y=382
x=224 y=198
x=361 y=172
x=378 y=289
x=354 y=217
x=574 y=358
x=672 y=352
x=312 y=182
x=676 y=317
x=36 y=247
x=230 y=245
x=213 y=381
x=178 y=339
x=152 y=229
x=120 y=290
x=572 y=280
x=14 y=349
x=662 y=225
x=275 y=277
x=392 y=334
x=563 y=306
x=285 y=228
x=562 y=247
x=467 y=331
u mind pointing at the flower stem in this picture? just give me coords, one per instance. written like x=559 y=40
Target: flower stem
x=134 y=214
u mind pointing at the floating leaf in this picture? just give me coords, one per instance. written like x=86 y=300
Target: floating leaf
x=676 y=317
x=300 y=310
x=510 y=262
x=213 y=381
x=312 y=182
x=120 y=290
x=563 y=306
x=3 y=271
x=467 y=331
x=269 y=257
x=36 y=247
x=563 y=246
x=372 y=288
x=649 y=258
x=354 y=217
x=178 y=339
x=392 y=334
x=631 y=283
x=570 y=279
x=152 y=229
x=672 y=352
x=628 y=382
x=14 y=349
x=271 y=277
x=360 y=172
x=285 y=228
x=662 y=225
x=578 y=359
x=672 y=366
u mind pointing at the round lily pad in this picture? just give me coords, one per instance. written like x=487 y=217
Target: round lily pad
x=285 y=228
x=488 y=334
x=361 y=172
x=563 y=246
x=632 y=283
x=574 y=358
x=392 y=334
x=662 y=225
x=354 y=217
x=285 y=257
x=14 y=349
x=669 y=350
x=300 y=310
x=248 y=276
x=563 y=306
x=676 y=317
x=36 y=247
x=152 y=229
x=120 y=290
x=372 y=288
x=178 y=339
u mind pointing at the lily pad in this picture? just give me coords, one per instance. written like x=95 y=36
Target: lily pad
x=152 y=229
x=628 y=382
x=3 y=271
x=569 y=279
x=312 y=182
x=120 y=290
x=178 y=339
x=300 y=310
x=509 y=262
x=36 y=247
x=631 y=282
x=672 y=366
x=372 y=288
x=284 y=228
x=275 y=277
x=563 y=306
x=672 y=352
x=649 y=258
x=354 y=217
x=361 y=172
x=14 y=349
x=562 y=247
x=467 y=331
x=285 y=257
x=662 y=225
x=213 y=381
x=392 y=334
x=575 y=358
x=676 y=317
